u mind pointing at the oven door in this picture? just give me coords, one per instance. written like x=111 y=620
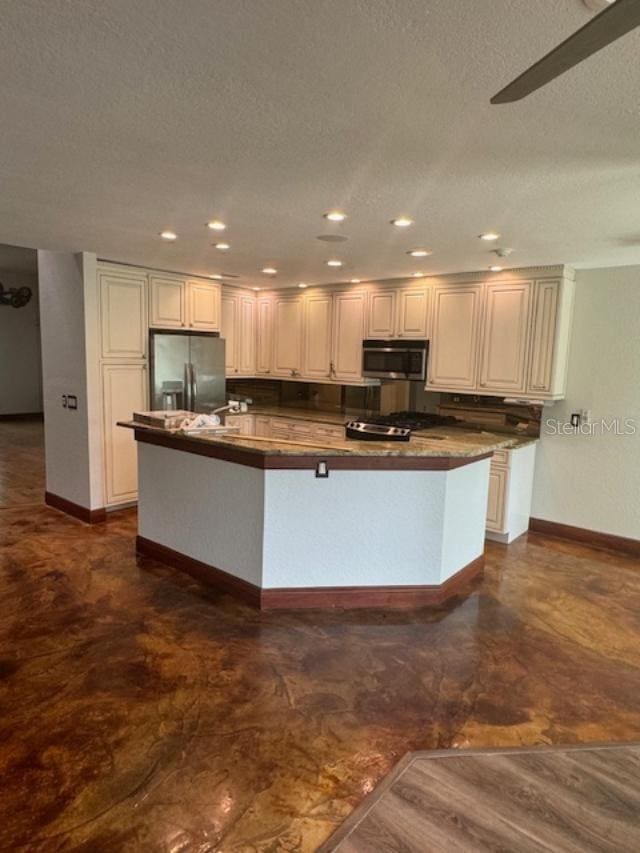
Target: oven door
x=393 y=361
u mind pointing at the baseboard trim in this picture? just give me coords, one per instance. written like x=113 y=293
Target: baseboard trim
x=345 y=597
x=205 y=573
x=593 y=538
x=23 y=416
x=89 y=516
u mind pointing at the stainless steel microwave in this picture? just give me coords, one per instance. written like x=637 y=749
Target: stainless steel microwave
x=395 y=359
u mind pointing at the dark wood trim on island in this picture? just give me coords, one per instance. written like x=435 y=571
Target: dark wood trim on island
x=298 y=598
x=265 y=460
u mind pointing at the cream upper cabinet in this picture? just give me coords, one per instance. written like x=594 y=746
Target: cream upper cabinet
x=505 y=338
x=349 y=309
x=413 y=313
x=381 y=314
x=316 y=335
x=203 y=305
x=246 y=335
x=453 y=355
x=287 y=335
x=229 y=331
x=124 y=392
x=123 y=314
x=264 y=334
x=543 y=336
x=168 y=309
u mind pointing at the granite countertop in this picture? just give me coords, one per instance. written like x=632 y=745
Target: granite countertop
x=437 y=443
x=454 y=434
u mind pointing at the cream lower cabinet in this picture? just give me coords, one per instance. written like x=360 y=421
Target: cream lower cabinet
x=505 y=337
x=510 y=492
x=123 y=313
x=453 y=355
x=287 y=335
x=348 y=333
x=125 y=390
x=316 y=336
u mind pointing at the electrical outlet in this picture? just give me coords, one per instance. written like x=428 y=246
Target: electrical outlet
x=575 y=419
x=64 y=401
x=72 y=401
x=322 y=470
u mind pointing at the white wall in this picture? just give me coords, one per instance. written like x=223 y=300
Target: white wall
x=20 y=362
x=70 y=471
x=594 y=481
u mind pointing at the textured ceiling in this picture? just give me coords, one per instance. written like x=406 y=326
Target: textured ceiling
x=125 y=117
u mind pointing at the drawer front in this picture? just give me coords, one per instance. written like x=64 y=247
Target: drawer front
x=328 y=431
x=500 y=457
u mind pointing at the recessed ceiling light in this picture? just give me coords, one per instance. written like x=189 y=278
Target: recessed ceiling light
x=334 y=263
x=417 y=274
x=216 y=225
x=256 y=288
x=495 y=268
x=168 y=235
x=419 y=253
x=269 y=270
x=222 y=246
x=355 y=281
x=490 y=235
x=302 y=284
x=402 y=222
x=335 y=216
x=217 y=276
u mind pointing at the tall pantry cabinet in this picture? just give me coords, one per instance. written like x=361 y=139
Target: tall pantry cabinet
x=123 y=295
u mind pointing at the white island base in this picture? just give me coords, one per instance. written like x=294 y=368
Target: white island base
x=283 y=537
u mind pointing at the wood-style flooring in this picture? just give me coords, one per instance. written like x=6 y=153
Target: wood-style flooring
x=22 y=480
x=140 y=711
x=562 y=799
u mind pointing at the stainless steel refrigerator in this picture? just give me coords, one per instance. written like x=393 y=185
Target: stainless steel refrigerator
x=187 y=370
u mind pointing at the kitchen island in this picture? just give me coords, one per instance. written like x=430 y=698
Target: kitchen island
x=308 y=524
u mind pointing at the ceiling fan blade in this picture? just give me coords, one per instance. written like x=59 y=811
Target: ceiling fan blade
x=614 y=21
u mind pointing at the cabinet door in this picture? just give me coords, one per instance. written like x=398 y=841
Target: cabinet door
x=316 y=336
x=497 y=498
x=413 y=313
x=453 y=354
x=287 y=336
x=381 y=314
x=246 y=344
x=545 y=312
x=124 y=392
x=264 y=319
x=203 y=306
x=167 y=302
x=245 y=422
x=348 y=333
x=123 y=315
x=262 y=426
x=229 y=331
x=503 y=364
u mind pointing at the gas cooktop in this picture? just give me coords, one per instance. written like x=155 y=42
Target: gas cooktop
x=394 y=427
x=412 y=420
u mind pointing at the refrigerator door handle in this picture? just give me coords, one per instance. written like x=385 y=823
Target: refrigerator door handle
x=187 y=386
x=194 y=387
